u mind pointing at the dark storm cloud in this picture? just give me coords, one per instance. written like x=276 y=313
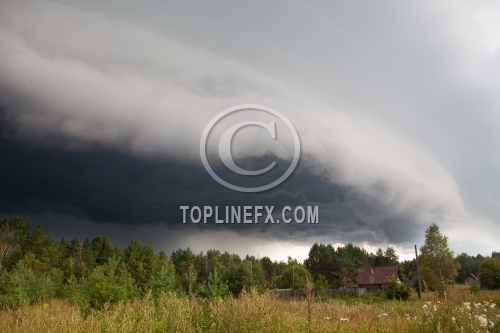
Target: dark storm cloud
x=110 y=187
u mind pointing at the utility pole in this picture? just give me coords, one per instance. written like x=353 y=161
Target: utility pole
x=418 y=275
x=293 y=277
x=251 y=274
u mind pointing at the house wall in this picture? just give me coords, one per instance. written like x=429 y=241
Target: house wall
x=373 y=287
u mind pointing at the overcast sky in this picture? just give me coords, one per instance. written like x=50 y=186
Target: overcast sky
x=397 y=104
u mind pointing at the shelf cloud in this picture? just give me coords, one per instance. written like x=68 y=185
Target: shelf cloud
x=102 y=114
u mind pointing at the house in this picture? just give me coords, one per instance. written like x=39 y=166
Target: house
x=471 y=278
x=375 y=278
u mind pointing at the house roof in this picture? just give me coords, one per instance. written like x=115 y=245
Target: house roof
x=377 y=275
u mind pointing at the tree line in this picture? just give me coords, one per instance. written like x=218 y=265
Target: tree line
x=36 y=267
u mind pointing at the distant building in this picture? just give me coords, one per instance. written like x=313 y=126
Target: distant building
x=375 y=278
x=471 y=278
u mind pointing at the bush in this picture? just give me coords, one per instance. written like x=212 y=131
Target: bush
x=474 y=288
x=397 y=290
x=489 y=273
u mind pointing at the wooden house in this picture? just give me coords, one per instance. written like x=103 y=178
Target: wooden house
x=375 y=278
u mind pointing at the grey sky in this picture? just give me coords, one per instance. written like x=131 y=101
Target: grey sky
x=397 y=104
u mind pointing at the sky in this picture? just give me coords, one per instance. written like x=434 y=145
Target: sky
x=103 y=105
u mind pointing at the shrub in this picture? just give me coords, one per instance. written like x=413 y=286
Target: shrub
x=474 y=288
x=397 y=290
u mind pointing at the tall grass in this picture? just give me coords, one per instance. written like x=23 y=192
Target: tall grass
x=253 y=312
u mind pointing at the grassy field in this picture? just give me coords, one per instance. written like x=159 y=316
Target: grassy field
x=461 y=312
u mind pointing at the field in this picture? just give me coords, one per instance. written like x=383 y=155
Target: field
x=461 y=312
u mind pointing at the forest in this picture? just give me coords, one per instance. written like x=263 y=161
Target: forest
x=35 y=267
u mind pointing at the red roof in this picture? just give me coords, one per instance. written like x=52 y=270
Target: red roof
x=377 y=275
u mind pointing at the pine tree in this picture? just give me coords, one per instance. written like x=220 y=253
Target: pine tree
x=215 y=288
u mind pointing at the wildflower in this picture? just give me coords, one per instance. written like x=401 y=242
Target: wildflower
x=434 y=308
x=327 y=318
x=424 y=306
x=382 y=315
x=453 y=319
x=492 y=305
x=344 y=319
x=483 y=321
x=45 y=305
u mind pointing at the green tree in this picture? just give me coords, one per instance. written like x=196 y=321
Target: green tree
x=215 y=288
x=230 y=263
x=38 y=267
x=249 y=274
x=385 y=258
x=346 y=262
x=321 y=286
x=269 y=271
x=22 y=287
x=163 y=281
x=319 y=261
x=438 y=267
x=109 y=284
x=295 y=276
x=102 y=250
x=18 y=287
x=189 y=282
x=141 y=263
x=14 y=234
x=75 y=291
x=489 y=273
x=182 y=258
x=468 y=264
